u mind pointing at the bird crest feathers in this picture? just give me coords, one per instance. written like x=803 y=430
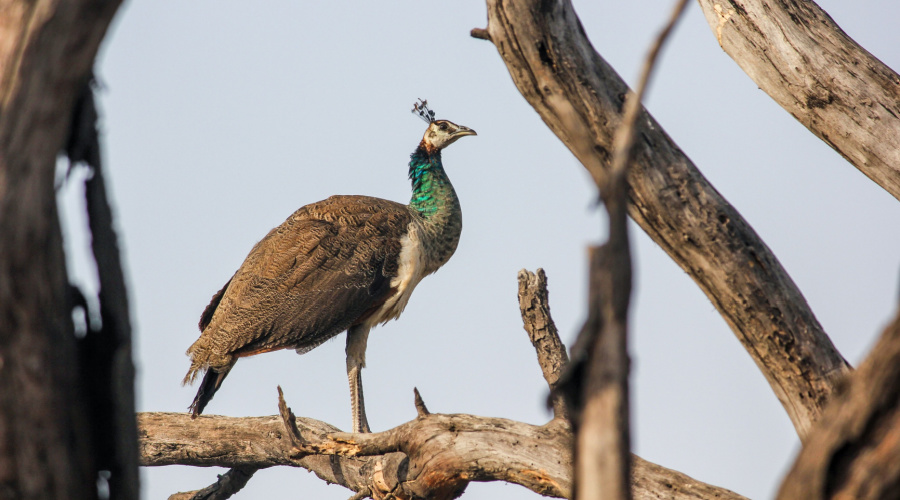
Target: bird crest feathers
x=421 y=108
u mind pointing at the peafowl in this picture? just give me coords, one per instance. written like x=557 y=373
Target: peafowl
x=345 y=263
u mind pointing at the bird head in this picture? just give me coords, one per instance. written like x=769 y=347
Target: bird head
x=440 y=133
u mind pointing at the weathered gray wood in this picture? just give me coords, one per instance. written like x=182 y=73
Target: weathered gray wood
x=854 y=449
x=580 y=97
x=47 y=50
x=438 y=454
x=799 y=56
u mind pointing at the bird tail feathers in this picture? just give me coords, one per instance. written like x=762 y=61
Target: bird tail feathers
x=214 y=369
x=212 y=380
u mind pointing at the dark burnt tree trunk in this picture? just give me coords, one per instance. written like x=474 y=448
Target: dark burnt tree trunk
x=66 y=405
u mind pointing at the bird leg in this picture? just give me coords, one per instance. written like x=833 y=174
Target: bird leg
x=357 y=336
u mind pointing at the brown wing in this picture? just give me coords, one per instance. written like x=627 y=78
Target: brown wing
x=207 y=315
x=310 y=278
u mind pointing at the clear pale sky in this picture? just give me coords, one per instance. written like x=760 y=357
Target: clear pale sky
x=222 y=117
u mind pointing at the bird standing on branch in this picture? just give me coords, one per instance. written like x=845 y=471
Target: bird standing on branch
x=345 y=263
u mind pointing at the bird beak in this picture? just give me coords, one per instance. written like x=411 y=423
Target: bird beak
x=463 y=131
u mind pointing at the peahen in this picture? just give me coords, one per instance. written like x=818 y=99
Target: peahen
x=345 y=263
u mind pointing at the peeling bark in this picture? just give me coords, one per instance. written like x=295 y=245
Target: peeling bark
x=839 y=91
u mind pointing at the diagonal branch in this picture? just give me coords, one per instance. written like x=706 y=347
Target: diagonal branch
x=799 y=56
x=580 y=98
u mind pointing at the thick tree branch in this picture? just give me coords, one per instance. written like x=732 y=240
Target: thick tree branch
x=854 y=450
x=438 y=454
x=843 y=94
x=580 y=98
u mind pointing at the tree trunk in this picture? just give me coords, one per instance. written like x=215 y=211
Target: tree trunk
x=47 y=446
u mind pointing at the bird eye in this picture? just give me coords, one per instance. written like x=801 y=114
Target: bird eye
x=443 y=127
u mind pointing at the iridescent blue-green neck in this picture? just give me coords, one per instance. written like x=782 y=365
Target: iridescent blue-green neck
x=432 y=192
x=435 y=201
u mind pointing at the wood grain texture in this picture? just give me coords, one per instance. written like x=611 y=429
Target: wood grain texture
x=839 y=91
x=580 y=98
x=47 y=50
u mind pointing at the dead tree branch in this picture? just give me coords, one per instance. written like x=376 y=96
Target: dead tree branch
x=429 y=457
x=580 y=98
x=534 y=304
x=799 y=56
x=854 y=450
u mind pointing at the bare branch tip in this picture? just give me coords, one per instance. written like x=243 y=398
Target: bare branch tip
x=421 y=409
x=481 y=34
x=289 y=420
x=282 y=406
